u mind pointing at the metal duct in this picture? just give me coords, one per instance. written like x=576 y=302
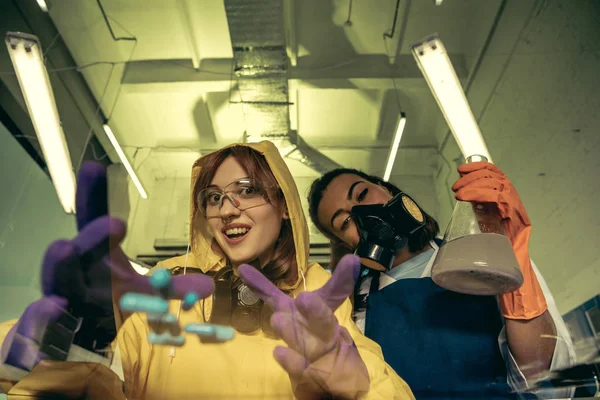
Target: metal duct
x=261 y=68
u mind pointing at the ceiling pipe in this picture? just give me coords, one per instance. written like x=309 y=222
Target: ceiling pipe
x=261 y=68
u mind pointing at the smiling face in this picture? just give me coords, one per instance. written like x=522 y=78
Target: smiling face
x=344 y=192
x=243 y=235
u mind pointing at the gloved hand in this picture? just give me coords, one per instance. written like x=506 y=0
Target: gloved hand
x=21 y=346
x=76 y=277
x=321 y=359
x=483 y=182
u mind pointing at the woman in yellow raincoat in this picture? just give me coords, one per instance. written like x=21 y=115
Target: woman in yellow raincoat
x=226 y=231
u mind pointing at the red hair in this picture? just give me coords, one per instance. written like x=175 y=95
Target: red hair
x=283 y=266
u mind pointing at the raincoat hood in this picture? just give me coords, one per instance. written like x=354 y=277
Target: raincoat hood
x=205 y=258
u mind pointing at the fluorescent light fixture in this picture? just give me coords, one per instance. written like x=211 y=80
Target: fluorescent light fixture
x=125 y=161
x=43 y=5
x=26 y=55
x=435 y=65
x=438 y=2
x=394 y=147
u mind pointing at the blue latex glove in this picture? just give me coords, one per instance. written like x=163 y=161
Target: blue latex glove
x=76 y=277
x=321 y=358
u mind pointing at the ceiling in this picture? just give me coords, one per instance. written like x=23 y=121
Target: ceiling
x=347 y=84
x=162 y=73
x=170 y=95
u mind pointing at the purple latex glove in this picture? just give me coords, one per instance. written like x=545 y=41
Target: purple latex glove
x=20 y=348
x=76 y=276
x=321 y=359
x=82 y=271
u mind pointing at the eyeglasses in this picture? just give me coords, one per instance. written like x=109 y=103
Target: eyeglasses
x=242 y=193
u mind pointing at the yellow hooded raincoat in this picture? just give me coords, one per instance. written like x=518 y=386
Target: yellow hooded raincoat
x=245 y=367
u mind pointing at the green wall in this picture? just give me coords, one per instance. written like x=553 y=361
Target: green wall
x=30 y=219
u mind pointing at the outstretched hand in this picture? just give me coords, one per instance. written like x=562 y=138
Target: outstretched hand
x=321 y=358
x=80 y=275
x=483 y=182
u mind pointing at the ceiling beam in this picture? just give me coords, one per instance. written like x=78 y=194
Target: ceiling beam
x=289 y=11
x=184 y=15
x=18 y=123
x=215 y=75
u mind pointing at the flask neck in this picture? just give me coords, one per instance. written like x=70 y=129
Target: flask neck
x=476 y=158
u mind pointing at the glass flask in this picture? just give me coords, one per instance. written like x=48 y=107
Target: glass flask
x=476 y=257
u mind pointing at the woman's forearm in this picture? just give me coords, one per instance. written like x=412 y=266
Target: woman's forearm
x=532 y=343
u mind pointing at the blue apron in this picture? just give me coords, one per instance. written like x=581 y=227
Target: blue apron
x=443 y=344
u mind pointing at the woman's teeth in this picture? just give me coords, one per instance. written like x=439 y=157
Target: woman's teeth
x=236 y=231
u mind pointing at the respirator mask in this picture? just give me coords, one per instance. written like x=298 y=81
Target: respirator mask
x=384 y=229
x=235 y=304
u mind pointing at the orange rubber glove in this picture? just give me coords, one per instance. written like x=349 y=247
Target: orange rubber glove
x=482 y=182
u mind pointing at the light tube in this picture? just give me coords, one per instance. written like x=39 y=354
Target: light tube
x=125 y=161
x=26 y=56
x=394 y=147
x=43 y=5
x=432 y=58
